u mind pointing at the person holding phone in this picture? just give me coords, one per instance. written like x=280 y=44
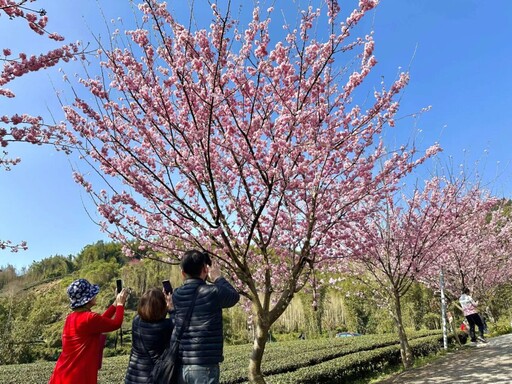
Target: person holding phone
x=82 y=336
x=167 y=287
x=151 y=332
x=201 y=347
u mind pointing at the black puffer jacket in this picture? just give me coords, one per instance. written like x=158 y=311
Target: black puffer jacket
x=202 y=341
x=148 y=342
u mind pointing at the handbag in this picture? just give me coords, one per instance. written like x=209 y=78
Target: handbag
x=166 y=368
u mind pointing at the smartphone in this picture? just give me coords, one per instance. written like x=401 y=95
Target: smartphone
x=119 y=285
x=167 y=286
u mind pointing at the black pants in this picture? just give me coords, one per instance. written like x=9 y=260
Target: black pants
x=475 y=319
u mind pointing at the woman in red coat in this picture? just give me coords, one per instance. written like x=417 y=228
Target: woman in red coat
x=82 y=337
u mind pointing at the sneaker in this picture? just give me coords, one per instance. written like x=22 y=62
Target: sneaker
x=472 y=344
x=480 y=338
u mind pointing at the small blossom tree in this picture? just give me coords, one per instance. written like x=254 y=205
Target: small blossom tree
x=476 y=255
x=252 y=149
x=400 y=241
x=24 y=127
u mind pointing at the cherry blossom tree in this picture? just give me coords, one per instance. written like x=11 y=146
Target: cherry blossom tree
x=24 y=127
x=400 y=241
x=258 y=149
x=476 y=255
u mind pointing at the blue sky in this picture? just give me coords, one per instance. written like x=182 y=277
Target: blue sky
x=458 y=53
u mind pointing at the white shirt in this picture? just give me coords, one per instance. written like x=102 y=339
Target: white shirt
x=468 y=305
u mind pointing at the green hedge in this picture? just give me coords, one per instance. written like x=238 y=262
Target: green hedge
x=283 y=357
x=301 y=361
x=358 y=365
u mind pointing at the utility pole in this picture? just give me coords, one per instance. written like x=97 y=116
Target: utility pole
x=443 y=309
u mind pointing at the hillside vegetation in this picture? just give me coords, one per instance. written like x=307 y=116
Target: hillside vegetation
x=34 y=305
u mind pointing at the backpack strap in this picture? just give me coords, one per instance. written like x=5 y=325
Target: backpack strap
x=186 y=319
x=141 y=338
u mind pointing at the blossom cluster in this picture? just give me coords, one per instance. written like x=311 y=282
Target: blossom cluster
x=36 y=19
x=23 y=64
x=23 y=127
x=7 y=244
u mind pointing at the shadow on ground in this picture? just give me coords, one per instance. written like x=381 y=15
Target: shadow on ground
x=485 y=363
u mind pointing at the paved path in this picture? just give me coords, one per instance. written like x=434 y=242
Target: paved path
x=487 y=363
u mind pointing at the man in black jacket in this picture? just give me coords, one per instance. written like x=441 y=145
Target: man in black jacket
x=202 y=342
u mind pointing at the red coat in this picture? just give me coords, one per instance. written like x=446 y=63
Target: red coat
x=82 y=349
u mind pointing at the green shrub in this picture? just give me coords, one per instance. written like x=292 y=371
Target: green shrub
x=501 y=327
x=297 y=361
x=353 y=366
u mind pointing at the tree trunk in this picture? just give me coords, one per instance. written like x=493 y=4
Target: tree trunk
x=405 y=349
x=455 y=332
x=260 y=340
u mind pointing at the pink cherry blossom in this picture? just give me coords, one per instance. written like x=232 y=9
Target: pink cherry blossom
x=476 y=254
x=27 y=128
x=13 y=247
x=403 y=238
x=254 y=151
x=23 y=127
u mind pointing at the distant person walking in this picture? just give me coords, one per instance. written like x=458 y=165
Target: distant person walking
x=82 y=336
x=470 y=310
x=201 y=347
x=151 y=332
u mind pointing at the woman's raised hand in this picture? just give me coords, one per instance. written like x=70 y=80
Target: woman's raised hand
x=122 y=297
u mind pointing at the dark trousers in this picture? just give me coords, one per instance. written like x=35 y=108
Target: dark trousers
x=475 y=319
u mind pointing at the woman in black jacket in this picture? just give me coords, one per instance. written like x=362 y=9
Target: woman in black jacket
x=151 y=332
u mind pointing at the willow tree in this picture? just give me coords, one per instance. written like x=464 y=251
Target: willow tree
x=248 y=145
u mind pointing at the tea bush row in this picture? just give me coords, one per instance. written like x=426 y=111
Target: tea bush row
x=358 y=365
x=289 y=356
x=284 y=362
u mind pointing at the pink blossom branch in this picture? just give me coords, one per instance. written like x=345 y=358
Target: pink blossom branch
x=36 y=19
x=8 y=245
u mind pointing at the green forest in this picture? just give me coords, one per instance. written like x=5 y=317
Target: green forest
x=34 y=305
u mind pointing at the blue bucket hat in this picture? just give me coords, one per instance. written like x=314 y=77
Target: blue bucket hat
x=80 y=292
